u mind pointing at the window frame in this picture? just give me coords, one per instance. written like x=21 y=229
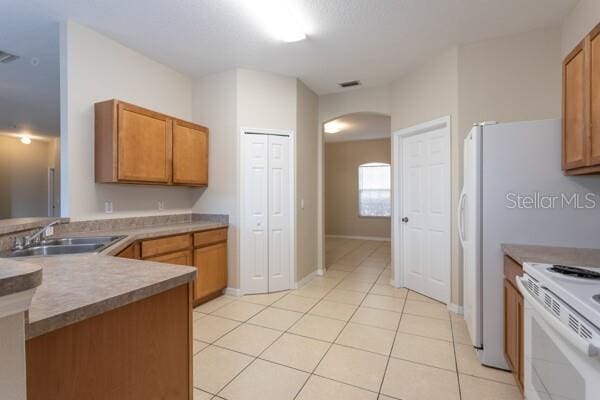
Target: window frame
x=372 y=164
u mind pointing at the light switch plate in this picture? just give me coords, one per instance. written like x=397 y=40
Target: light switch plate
x=108 y=207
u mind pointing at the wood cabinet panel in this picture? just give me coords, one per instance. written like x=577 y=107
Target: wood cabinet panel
x=132 y=251
x=575 y=132
x=512 y=269
x=137 y=145
x=184 y=257
x=144 y=145
x=513 y=320
x=209 y=237
x=190 y=153
x=169 y=244
x=595 y=96
x=140 y=351
x=211 y=262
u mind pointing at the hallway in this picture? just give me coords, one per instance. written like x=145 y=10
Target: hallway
x=346 y=335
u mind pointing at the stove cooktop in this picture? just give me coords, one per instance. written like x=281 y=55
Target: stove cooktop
x=578 y=287
x=577 y=272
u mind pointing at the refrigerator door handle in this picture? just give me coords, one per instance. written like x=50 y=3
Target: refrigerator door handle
x=461 y=218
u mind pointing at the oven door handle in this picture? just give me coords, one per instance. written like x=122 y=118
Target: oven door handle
x=587 y=348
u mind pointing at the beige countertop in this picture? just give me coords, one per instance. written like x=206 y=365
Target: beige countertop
x=553 y=255
x=18 y=276
x=22 y=224
x=78 y=287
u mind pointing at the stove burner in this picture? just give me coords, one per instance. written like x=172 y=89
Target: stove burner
x=575 y=272
x=596 y=298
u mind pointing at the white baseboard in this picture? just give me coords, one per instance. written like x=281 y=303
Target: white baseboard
x=455 y=308
x=378 y=238
x=233 y=292
x=306 y=279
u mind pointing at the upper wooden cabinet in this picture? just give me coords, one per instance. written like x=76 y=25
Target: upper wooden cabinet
x=190 y=153
x=136 y=145
x=581 y=107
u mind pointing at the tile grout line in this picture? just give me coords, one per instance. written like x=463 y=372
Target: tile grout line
x=287 y=330
x=392 y=348
x=341 y=330
x=283 y=332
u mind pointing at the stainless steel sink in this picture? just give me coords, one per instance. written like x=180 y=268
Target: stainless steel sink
x=62 y=246
x=81 y=240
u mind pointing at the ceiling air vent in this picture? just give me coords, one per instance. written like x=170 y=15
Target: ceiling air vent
x=7 y=57
x=349 y=84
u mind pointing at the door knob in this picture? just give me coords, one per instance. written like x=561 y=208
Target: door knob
x=405 y=219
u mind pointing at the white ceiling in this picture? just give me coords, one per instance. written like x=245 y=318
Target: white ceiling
x=361 y=126
x=373 y=41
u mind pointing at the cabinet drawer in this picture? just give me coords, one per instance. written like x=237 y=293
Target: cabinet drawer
x=184 y=257
x=164 y=245
x=209 y=237
x=512 y=269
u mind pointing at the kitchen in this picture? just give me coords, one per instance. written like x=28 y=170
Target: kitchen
x=156 y=156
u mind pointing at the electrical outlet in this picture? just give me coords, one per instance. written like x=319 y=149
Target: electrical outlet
x=108 y=207
x=302 y=204
x=162 y=205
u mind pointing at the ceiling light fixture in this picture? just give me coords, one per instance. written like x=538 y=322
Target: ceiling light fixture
x=279 y=18
x=334 y=126
x=25 y=139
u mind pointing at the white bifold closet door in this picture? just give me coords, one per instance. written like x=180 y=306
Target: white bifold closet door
x=265 y=263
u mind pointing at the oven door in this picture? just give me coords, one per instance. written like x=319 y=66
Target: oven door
x=557 y=367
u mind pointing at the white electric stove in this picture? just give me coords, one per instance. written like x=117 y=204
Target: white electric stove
x=562 y=331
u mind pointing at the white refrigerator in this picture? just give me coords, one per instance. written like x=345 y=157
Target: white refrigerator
x=511 y=173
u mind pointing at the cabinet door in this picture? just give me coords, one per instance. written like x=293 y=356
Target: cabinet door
x=575 y=128
x=144 y=145
x=520 y=335
x=211 y=262
x=595 y=96
x=190 y=154
x=512 y=336
x=178 y=258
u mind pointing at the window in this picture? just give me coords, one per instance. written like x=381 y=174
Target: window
x=374 y=192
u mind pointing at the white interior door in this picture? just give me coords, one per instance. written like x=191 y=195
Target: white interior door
x=255 y=237
x=279 y=213
x=425 y=205
x=266 y=234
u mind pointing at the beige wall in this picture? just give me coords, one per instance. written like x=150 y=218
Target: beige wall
x=215 y=106
x=374 y=99
x=342 y=160
x=230 y=101
x=513 y=78
x=307 y=137
x=583 y=18
x=426 y=93
x=24 y=177
x=95 y=68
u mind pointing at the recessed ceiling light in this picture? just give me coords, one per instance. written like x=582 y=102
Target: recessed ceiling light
x=334 y=126
x=25 y=139
x=277 y=17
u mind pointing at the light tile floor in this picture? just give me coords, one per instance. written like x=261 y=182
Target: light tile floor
x=348 y=335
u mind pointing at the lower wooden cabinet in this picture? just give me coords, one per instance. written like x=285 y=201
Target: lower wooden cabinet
x=205 y=250
x=513 y=321
x=211 y=262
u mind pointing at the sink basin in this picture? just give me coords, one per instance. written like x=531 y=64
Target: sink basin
x=81 y=240
x=62 y=246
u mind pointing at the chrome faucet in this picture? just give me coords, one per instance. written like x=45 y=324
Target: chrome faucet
x=21 y=243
